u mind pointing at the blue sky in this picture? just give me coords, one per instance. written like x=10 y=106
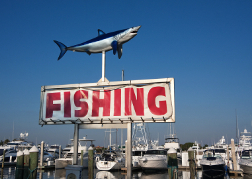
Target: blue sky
x=205 y=45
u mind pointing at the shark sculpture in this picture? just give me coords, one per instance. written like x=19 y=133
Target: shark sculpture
x=103 y=42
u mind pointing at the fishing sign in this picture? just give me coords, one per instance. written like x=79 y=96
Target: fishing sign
x=108 y=102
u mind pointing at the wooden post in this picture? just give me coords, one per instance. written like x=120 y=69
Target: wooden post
x=60 y=151
x=19 y=165
x=3 y=159
x=81 y=157
x=90 y=162
x=191 y=163
x=76 y=140
x=26 y=164
x=233 y=154
x=41 y=154
x=172 y=162
x=126 y=153
x=228 y=156
x=33 y=162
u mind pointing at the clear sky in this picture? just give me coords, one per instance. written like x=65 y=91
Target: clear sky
x=205 y=45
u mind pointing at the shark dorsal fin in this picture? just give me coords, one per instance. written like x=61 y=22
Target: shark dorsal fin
x=100 y=32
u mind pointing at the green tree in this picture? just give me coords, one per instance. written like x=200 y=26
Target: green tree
x=186 y=146
x=6 y=141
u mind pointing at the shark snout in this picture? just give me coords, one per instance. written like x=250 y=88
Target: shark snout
x=135 y=29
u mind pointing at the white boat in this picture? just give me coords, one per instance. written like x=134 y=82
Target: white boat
x=140 y=143
x=154 y=159
x=244 y=141
x=246 y=161
x=172 y=141
x=212 y=163
x=68 y=158
x=10 y=154
x=110 y=160
x=54 y=150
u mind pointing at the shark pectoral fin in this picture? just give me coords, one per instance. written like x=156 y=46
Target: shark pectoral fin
x=114 y=46
x=88 y=52
x=119 y=50
x=100 y=32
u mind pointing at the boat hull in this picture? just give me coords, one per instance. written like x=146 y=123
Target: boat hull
x=109 y=165
x=156 y=163
x=213 y=170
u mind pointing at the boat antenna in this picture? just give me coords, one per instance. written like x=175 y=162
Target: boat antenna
x=236 y=126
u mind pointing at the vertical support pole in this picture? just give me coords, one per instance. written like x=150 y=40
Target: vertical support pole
x=60 y=151
x=228 y=156
x=103 y=65
x=126 y=145
x=26 y=164
x=233 y=155
x=191 y=163
x=19 y=165
x=129 y=150
x=90 y=162
x=76 y=139
x=172 y=162
x=81 y=157
x=41 y=154
x=3 y=159
x=33 y=162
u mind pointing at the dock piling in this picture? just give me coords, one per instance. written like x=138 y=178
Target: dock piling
x=90 y=162
x=3 y=158
x=41 y=154
x=191 y=163
x=172 y=163
x=19 y=165
x=33 y=162
x=26 y=164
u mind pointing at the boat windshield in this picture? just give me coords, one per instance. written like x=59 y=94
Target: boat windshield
x=211 y=154
x=156 y=152
x=54 y=147
x=1 y=151
x=246 y=154
x=219 y=151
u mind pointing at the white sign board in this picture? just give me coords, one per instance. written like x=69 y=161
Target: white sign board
x=108 y=102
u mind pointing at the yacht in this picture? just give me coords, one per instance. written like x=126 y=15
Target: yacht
x=10 y=154
x=110 y=160
x=54 y=150
x=246 y=161
x=68 y=158
x=212 y=163
x=244 y=141
x=172 y=141
x=199 y=152
x=140 y=143
x=154 y=159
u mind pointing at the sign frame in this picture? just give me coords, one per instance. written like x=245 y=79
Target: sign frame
x=107 y=83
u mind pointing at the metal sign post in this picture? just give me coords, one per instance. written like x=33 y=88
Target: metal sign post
x=103 y=65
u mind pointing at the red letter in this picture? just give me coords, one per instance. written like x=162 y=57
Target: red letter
x=50 y=107
x=81 y=94
x=153 y=93
x=67 y=104
x=130 y=98
x=97 y=103
x=117 y=102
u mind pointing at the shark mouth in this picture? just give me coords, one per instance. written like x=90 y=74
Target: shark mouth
x=135 y=31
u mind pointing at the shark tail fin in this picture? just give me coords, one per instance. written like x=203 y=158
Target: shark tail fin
x=63 y=49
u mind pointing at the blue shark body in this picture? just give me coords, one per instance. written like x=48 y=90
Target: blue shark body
x=103 y=42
